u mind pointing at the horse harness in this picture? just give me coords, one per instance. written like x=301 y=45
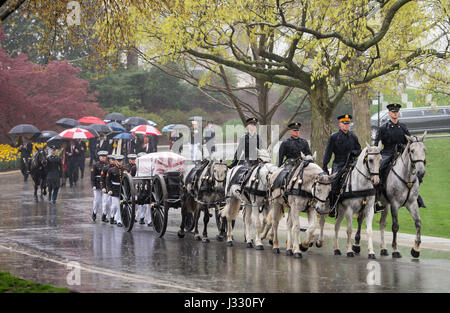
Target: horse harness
x=408 y=185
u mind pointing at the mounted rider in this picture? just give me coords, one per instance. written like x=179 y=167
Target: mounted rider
x=392 y=136
x=345 y=146
x=246 y=152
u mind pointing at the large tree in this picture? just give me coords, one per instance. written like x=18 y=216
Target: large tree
x=311 y=45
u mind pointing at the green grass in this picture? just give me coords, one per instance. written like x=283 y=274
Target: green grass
x=435 y=190
x=12 y=284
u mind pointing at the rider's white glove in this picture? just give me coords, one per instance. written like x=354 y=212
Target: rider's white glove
x=110 y=193
x=93 y=188
x=104 y=190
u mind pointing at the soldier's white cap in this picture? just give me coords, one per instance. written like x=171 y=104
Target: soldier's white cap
x=141 y=154
x=118 y=157
x=131 y=156
x=102 y=153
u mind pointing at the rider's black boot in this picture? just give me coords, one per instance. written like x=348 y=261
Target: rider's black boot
x=420 y=202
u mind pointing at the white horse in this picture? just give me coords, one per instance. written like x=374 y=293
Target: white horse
x=235 y=197
x=403 y=190
x=358 y=197
x=255 y=193
x=308 y=190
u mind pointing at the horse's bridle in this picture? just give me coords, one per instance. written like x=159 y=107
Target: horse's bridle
x=413 y=162
x=366 y=163
x=313 y=188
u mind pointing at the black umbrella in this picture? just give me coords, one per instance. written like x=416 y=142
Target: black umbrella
x=23 y=130
x=44 y=135
x=67 y=122
x=118 y=117
x=90 y=129
x=100 y=128
x=135 y=121
x=55 y=141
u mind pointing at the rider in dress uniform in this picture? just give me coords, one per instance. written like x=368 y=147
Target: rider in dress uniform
x=210 y=134
x=54 y=173
x=25 y=149
x=392 y=136
x=291 y=148
x=96 y=181
x=113 y=179
x=345 y=146
x=246 y=151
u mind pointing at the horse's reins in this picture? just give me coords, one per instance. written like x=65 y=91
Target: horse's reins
x=409 y=185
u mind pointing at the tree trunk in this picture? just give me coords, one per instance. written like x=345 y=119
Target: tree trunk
x=361 y=114
x=321 y=113
x=132 y=59
x=263 y=109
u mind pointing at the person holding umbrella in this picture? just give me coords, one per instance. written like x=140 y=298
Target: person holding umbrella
x=54 y=173
x=72 y=156
x=81 y=157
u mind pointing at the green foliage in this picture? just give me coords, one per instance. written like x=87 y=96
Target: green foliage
x=10 y=283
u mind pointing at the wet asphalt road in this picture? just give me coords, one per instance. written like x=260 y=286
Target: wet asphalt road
x=38 y=240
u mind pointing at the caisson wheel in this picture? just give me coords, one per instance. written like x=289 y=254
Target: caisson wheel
x=127 y=202
x=158 y=205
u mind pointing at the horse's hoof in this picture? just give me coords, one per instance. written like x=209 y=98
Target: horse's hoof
x=372 y=256
x=289 y=253
x=219 y=238
x=229 y=243
x=271 y=242
x=276 y=250
x=350 y=254
x=414 y=253
x=259 y=247
x=181 y=235
x=319 y=244
x=337 y=252
x=356 y=249
x=396 y=255
x=298 y=255
x=249 y=245
x=205 y=240
x=384 y=252
x=303 y=249
x=198 y=238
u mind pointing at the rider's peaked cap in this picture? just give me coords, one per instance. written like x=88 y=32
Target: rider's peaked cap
x=295 y=126
x=394 y=107
x=345 y=118
x=131 y=156
x=251 y=120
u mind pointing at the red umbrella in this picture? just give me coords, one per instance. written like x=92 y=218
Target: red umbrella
x=76 y=133
x=91 y=120
x=145 y=130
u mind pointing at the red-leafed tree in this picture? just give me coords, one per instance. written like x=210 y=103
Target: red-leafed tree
x=32 y=94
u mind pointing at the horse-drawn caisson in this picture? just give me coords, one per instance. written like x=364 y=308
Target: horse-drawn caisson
x=158 y=182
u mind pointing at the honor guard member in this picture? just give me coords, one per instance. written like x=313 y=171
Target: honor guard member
x=246 y=152
x=142 y=209
x=106 y=198
x=25 y=149
x=392 y=136
x=131 y=166
x=345 y=146
x=96 y=181
x=113 y=179
x=54 y=174
x=291 y=148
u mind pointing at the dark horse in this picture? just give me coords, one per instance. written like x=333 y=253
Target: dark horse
x=39 y=172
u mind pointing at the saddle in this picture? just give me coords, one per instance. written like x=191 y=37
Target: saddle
x=195 y=173
x=295 y=181
x=253 y=188
x=286 y=174
x=241 y=176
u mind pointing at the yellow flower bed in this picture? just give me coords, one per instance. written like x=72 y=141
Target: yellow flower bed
x=10 y=155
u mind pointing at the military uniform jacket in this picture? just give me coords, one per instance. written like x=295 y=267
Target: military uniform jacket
x=96 y=174
x=104 y=172
x=291 y=148
x=209 y=134
x=130 y=169
x=113 y=178
x=54 y=167
x=246 y=149
x=390 y=135
x=341 y=145
x=25 y=152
